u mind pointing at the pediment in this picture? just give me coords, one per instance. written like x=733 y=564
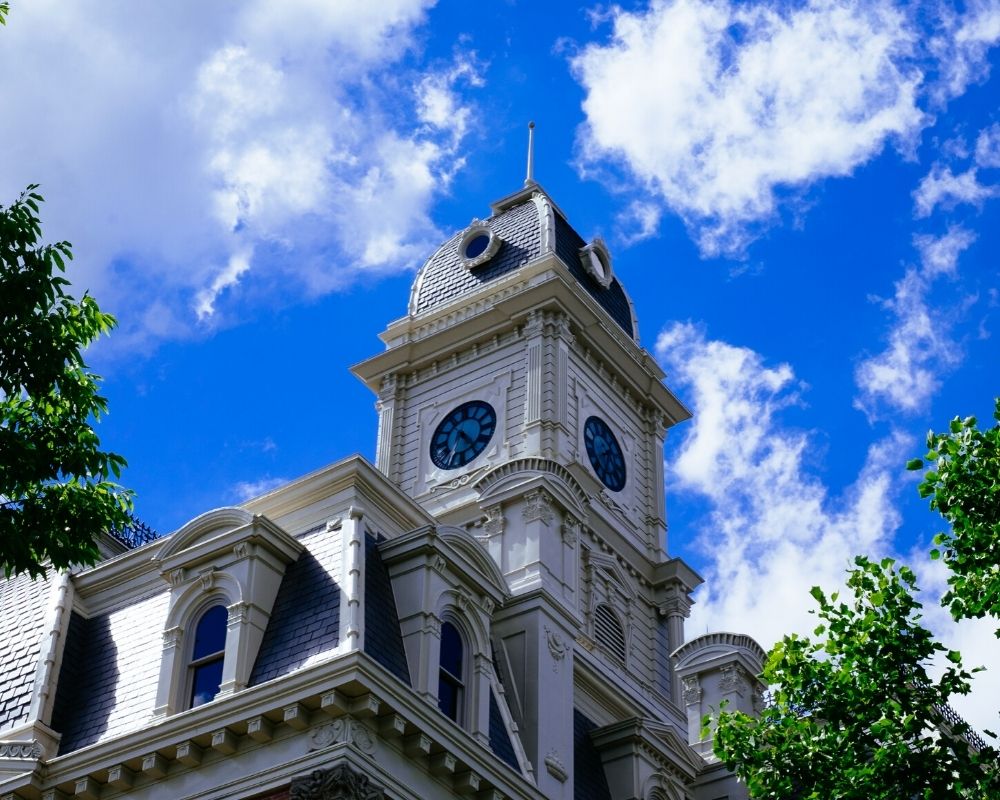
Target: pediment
x=606 y=568
x=222 y=534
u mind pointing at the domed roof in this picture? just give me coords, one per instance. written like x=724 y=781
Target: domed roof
x=523 y=227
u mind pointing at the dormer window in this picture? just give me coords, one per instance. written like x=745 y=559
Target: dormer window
x=597 y=262
x=451 y=685
x=208 y=655
x=478 y=244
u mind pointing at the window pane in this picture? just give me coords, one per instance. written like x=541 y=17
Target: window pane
x=210 y=635
x=205 y=682
x=451 y=650
x=449 y=693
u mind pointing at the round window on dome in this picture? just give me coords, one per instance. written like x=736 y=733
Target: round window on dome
x=597 y=262
x=478 y=244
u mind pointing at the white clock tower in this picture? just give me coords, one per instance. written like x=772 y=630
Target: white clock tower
x=516 y=404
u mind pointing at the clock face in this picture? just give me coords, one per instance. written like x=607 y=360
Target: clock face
x=463 y=434
x=605 y=454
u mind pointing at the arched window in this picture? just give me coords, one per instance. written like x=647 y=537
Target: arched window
x=608 y=631
x=207 y=655
x=451 y=686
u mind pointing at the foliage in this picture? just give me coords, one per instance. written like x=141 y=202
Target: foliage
x=4 y=11
x=963 y=485
x=56 y=492
x=855 y=715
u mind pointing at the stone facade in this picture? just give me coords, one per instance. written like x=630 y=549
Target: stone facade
x=490 y=611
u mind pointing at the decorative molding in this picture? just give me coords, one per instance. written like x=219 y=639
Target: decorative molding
x=478 y=228
x=557 y=647
x=207 y=578
x=692 y=689
x=555 y=766
x=462 y=480
x=734 y=679
x=538 y=506
x=343 y=730
x=498 y=474
x=337 y=783
x=494 y=520
x=20 y=750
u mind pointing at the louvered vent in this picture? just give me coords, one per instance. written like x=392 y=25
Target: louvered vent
x=608 y=631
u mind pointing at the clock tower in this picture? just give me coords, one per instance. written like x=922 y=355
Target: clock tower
x=517 y=405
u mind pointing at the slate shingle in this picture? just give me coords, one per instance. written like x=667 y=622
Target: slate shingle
x=23 y=603
x=589 y=781
x=305 y=620
x=383 y=639
x=499 y=739
x=444 y=277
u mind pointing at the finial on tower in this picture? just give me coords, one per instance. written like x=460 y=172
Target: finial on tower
x=530 y=178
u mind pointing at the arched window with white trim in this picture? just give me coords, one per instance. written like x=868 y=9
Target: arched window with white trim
x=451 y=673
x=207 y=655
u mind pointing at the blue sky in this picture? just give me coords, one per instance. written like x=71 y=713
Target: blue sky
x=801 y=199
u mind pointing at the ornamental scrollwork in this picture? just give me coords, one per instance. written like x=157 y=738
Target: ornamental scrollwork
x=337 y=783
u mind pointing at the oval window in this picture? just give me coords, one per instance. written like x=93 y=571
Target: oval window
x=477 y=245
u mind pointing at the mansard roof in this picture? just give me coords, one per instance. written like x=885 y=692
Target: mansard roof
x=529 y=226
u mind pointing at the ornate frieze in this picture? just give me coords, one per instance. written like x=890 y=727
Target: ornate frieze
x=20 y=750
x=337 y=783
x=734 y=679
x=343 y=730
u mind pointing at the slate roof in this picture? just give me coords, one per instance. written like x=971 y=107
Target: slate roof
x=445 y=278
x=305 y=619
x=383 y=639
x=22 y=610
x=110 y=670
x=589 y=781
x=500 y=742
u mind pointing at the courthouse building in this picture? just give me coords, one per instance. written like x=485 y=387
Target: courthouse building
x=489 y=611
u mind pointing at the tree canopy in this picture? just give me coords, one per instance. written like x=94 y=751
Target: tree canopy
x=57 y=492
x=855 y=713
x=963 y=485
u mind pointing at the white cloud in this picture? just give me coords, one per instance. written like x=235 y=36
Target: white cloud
x=638 y=221
x=920 y=348
x=773 y=530
x=961 y=44
x=245 y=490
x=941 y=187
x=182 y=160
x=988 y=146
x=718 y=108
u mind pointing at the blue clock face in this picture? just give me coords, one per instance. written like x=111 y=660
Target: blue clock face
x=605 y=454
x=463 y=434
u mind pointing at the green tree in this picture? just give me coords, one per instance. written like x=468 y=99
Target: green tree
x=56 y=488
x=855 y=714
x=963 y=485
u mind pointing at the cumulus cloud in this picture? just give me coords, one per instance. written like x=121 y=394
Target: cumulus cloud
x=717 y=108
x=920 y=347
x=242 y=155
x=772 y=529
x=726 y=112
x=771 y=523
